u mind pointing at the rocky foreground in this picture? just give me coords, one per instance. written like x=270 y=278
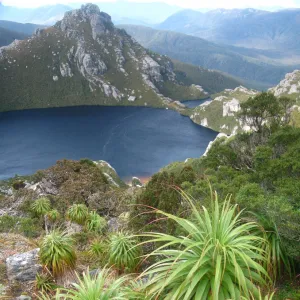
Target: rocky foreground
x=96 y=184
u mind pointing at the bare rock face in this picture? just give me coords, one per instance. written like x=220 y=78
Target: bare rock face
x=151 y=68
x=289 y=85
x=23 y=266
x=231 y=107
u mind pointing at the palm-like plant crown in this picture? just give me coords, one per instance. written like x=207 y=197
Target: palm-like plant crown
x=41 y=206
x=123 y=251
x=218 y=257
x=57 y=252
x=95 y=222
x=53 y=215
x=101 y=287
x=78 y=213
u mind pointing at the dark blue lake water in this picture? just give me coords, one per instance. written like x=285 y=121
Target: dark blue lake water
x=135 y=141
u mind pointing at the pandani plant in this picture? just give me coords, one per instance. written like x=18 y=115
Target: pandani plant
x=124 y=251
x=217 y=256
x=78 y=213
x=57 y=252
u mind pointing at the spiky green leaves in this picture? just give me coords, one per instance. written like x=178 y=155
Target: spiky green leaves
x=217 y=258
x=78 y=213
x=97 y=248
x=95 y=223
x=277 y=259
x=57 y=252
x=41 y=206
x=102 y=287
x=53 y=215
x=124 y=251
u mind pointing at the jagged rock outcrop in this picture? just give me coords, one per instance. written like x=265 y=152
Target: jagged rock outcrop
x=290 y=85
x=136 y=182
x=23 y=266
x=221 y=114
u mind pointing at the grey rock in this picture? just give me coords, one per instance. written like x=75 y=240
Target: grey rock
x=113 y=225
x=151 y=68
x=136 y=182
x=23 y=297
x=23 y=266
x=65 y=70
x=95 y=272
x=73 y=227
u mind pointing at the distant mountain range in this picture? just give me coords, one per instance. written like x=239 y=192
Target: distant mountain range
x=249 y=28
x=121 y=12
x=8 y=36
x=46 y=15
x=85 y=60
x=10 y=31
x=27 y=28
x=249 y=65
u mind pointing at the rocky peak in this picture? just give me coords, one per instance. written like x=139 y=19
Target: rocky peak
x=100 y=22
x=289 y=85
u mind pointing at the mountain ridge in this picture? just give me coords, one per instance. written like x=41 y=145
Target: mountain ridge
x=245 y=28
x=85 y=60
x=197 y=51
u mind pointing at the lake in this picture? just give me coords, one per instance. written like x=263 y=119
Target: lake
x=194 y=103
x=136 y=141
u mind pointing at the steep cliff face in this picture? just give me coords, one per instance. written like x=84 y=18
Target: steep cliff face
x=221 y=114
x=289 y=86
x=84 y=59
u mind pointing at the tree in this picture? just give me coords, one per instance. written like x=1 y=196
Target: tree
x=266 y=111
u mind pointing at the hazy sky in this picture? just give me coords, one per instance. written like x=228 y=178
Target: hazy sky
x=183 y=3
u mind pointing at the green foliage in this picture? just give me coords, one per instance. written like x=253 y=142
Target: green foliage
x=98 y=248
x=101 y=287
x=87 y=161
x=160 y=192
x=7 y=223
x=266 y=111
x=41 y=206
x=44 y=283
x=95 y=223
x=124 y=252
x=18 y=184
x=78 y=213
x=57 y=252
x=277 y=260
x=218 y=257
x=53 y=215
x=26 y=226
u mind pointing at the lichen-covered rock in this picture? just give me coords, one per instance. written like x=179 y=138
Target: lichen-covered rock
x=151 y=68
x=289 y=85
x=65 y=70
x=23 y=266
x=221 y=114
x=136 y=182
x=231 y=107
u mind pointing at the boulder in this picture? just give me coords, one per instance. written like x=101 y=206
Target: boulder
x=23 y=266
x=23 y=297
x=136 y=182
